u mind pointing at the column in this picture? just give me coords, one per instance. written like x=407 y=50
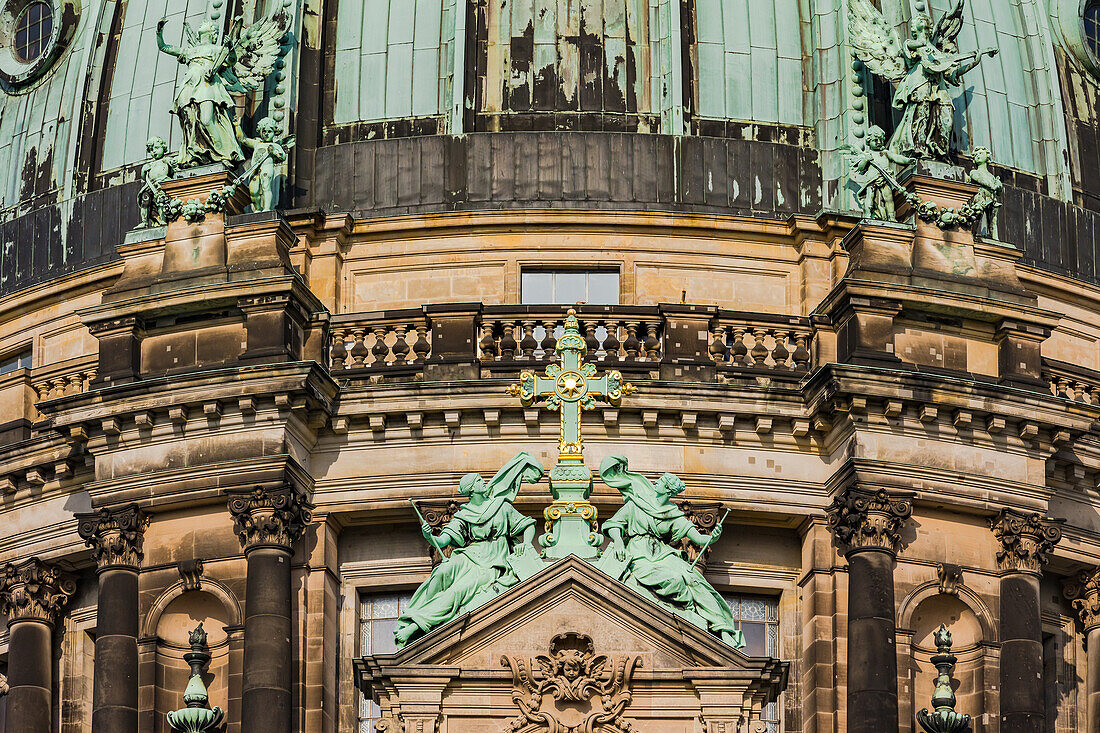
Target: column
x=116 y=537
x=867 y=528
x=267 y=522
x=32 y=595
x=1025 y=540
x=1084 y=591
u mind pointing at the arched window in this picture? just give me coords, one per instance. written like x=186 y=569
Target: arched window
x=1092 y=27
x=33 y=29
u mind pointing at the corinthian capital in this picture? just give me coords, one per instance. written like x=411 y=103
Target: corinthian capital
x=269 y=517
x=116 y=536
x=34 y=591
x=869 y=520
x=1025 y=539
x=1083 y=591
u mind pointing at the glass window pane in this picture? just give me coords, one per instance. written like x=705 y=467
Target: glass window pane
x=570 y=287
x=773 y=640
x=382 y=636
x=773 y=608
x=385 y=606
x=603 y=288
x=752 y=609
x=536 y=287
x=756 y=644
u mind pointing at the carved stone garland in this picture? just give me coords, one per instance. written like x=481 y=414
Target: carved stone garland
x=863 y=520
x=1083 y=591
x=115 y=536
x=571 y=689
x=269 y=517
x=1025 y=539
x=34 y=590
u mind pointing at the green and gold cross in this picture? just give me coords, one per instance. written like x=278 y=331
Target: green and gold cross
x=570 y=386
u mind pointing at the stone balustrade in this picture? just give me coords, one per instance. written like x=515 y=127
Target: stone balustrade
x=499 y=339
x=62 y=379
x=1072 y=382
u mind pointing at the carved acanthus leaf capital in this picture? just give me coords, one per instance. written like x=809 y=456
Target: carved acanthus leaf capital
x=269 y=517
x=1025 y=539
x=869 y=520
x=34 y=591
x=116 y=536
x=1083 y=591
x=705 y=517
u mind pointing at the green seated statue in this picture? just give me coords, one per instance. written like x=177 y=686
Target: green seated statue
x=642 y=536
x=491 y=550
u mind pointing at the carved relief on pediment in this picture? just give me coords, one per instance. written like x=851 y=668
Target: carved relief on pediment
x=572 y=689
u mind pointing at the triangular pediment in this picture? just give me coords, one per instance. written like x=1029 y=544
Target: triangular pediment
x=571 y=596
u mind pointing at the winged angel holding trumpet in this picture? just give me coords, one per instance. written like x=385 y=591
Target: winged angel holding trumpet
x=216 y=70
x=923 y=68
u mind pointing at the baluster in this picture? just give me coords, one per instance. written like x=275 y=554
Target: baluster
x=422 y=347
x=338 y=351
x=74 y=384
x=801 y=353
x=780 y=354
x=88 y=377
x=381 y=349
x=488 y=344
x=359 y=351
x=718 y=346
x=611 y=344
x=528 y=344
x=401 y=346
x=652 y=344
x=508 y=343
x=759 y=350
x=590 y=340
x=632 y=345
x=548 y=340
x=738 y=352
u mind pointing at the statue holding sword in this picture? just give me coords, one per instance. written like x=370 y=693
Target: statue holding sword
x=872 y=168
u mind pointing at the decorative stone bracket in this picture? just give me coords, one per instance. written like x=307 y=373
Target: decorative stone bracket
x=869 y=520
x=34 y=591
x=269 y=517
x=116 y=536
x=1025 y=539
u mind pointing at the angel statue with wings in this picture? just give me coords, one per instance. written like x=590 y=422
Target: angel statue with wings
x=216 y=69
x=924 y=69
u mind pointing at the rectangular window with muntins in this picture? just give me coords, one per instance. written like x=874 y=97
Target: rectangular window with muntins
x=597 y=287
x=758 y=619
x=378 y=613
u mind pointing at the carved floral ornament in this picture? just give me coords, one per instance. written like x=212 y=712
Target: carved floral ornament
x=571 y=689
x=115 y=536
x=864 y=520
x=269 y=517
x=1083 y=591
x=1025 y=539
x=34 y=590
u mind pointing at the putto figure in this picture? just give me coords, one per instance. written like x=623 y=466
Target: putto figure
x=924 y=69
x=643 y=534
x=215 y=70
x=151 y=198
x=267 y=153
x=492 y=550
x=873 y=167
x=987 y=199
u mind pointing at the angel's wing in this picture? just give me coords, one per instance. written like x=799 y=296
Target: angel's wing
x=874 y=42
x=947 y=28
x=189 y=35
x=257 y=48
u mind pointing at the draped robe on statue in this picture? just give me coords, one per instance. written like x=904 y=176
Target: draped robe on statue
x=650 y=523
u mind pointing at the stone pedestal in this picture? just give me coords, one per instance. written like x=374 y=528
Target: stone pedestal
x=32 y=595
x=116 y=537
x=686 y=355
x=866 y=525
x=267 y=522
x=1025 y=540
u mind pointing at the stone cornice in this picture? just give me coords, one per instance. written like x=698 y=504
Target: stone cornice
x=1025 y=539
x=269 y=517
x=34 y=591
x=868 y=520
x=1083 y=591
x=116 y=536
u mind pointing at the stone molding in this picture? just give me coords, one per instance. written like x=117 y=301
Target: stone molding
x=1025 y=538
x=116 y=536
x=1083 y=592
x=34 y=591
x=269 y=517
x=869 y=520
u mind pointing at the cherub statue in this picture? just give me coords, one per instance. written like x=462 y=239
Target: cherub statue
x=987 y=199
x=151 y=198
x=216 y=69
x=489 y=537
x=267 y=153
x=873 y=167
x=644 y=533
x=924 y=69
